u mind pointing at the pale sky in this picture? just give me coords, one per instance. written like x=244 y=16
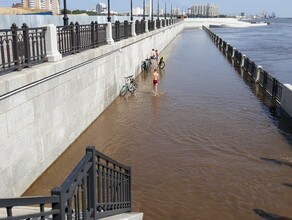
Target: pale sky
x=282 y=8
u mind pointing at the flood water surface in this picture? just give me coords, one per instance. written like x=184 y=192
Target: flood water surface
x=195 y=150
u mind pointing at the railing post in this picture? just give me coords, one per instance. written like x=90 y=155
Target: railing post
x=96 y=33
x=258 y=73
x=60 y=205
x=53 y=54
x=146 y=26
x=233 y=53
x=72 y=34
x=92 y=32
x=154 y=25
x=133 y=29
x=26 y=44
x=15 y=46
x=78 y=37
x=92 y=181
x=109 y=34
x=242 y=61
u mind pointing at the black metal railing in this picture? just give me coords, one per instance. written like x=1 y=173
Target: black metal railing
x=76 y=38
x=158 y=23
x=150 y=25
x=140 y=27
x=121 y=30
x=270 y=84
x=97 y=187
x=21 y=47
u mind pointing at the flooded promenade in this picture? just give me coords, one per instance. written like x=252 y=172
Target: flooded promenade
x=196 y=149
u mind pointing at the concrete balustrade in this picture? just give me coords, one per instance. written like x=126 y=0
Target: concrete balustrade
x=53 y=54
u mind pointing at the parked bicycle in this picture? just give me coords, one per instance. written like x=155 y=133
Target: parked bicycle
x=130 y=85
x=161 y=63
x=146 y=64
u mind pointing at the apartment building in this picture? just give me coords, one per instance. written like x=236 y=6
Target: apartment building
x=50 y=5
x=207 y=10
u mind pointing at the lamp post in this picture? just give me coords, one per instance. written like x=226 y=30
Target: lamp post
x=131 y=10
x=171 y=11
x=144 y=10
x=109 y=11
x=165 y=12
x=65 y=18
x=151 y=10
x=157 y=9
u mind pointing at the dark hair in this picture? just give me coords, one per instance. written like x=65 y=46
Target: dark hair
x=155 y=70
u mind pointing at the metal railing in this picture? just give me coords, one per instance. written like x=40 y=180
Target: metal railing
x=270 y=84
x=140 y=27
x=76 y=38
x=21 y=47
x=121 y=30
x=97 y=187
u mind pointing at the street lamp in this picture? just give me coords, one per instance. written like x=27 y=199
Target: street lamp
x=171 y=11
x=144 y=10
x=65 y=18
x=151 y=10
x=165 y=12
x=157 y=9
x=109 y=11
x=131 y=10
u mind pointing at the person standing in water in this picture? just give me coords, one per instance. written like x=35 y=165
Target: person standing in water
x=155 y=80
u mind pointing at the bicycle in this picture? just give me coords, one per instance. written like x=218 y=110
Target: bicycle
x=146 y=64
x=130 y=85
x=161 y=63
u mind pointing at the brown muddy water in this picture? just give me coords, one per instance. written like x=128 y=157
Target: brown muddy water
x=195 y=149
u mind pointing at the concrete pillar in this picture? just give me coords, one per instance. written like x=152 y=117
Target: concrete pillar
x=233 y=53
x=146 y=26
x=133 y=28
x=109 y=33
x=286 y=99
x=154 y=25
x=226 y=49
x=53 y=54
x=259 y=68
x=242 y=60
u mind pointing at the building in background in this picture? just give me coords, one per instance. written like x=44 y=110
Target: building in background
x=203 y=11
x=137 y=11
x=50 y=5
x=101 y=8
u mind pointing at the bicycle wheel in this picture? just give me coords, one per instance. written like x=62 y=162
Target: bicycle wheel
x=132 y=88
x=161 y=64
x=123 y=91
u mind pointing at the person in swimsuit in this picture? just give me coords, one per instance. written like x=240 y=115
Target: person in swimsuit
x=156 y=57
x=155 y=80
x=152 y=57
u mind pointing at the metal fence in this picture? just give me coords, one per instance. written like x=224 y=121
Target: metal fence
x=98 y=187
x=76 y=38
x=21 y=47
x=121 y=30
x=140 y=27
x=270 y=84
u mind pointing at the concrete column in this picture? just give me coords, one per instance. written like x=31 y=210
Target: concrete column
x=53 y=54
x=154 y=24
x=259 y=68
x=286 y=100
x=226 y=49
x=242 y=60
x=233 y=53
x=109 y=33
x=146 y=26
x=133 y=28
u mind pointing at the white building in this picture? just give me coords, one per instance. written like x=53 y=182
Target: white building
x=204 y=10
x=50 y=5
x=137 y=11
x=101 y=8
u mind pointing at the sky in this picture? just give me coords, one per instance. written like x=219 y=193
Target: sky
x=282 y=8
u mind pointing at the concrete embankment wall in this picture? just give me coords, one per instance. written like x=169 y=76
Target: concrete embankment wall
x=43 y=109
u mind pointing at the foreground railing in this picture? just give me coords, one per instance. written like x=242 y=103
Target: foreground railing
x=270 y=84
x=21 y=47
x=98 y=187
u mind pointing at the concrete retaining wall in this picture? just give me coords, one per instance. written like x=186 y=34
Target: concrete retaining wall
x=43 y=109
